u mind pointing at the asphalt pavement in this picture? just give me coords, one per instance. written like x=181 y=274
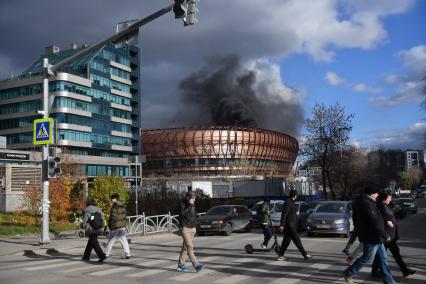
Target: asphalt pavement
x=154 y=260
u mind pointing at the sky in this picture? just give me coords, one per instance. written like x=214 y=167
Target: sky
x=266 y=62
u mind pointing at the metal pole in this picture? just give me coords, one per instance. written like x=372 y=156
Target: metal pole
x=44 y=239
x=136 y=187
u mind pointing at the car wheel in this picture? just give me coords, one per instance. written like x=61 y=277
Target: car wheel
x=310 y=234
x=228 y=230
x=248 y=228
x=346 y=235
x=200 y=233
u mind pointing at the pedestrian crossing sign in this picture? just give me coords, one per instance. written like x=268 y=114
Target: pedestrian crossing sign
x=43 y=131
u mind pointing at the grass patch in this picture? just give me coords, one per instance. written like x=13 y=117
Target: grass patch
x=16 y=224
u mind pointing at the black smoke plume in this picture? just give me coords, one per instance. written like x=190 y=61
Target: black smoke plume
x=223 y=94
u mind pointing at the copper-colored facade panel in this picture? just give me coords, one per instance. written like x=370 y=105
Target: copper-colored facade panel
x=218 y=151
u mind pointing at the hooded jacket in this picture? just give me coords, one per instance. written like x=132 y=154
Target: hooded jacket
x=370 y=223
x=117 y=216
x=88 y=211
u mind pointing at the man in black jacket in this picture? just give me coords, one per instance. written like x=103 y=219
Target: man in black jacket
x=392 y=230
x=289 y=225
x=371 y=233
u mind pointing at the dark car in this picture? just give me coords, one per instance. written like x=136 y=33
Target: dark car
x=330 y=217
x=225 y=219
x=409 y=204
x=398 y=210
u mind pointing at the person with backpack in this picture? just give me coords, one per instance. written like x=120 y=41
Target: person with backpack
x=264 y=219
x=117 y=225
x=93 y=222
x=187 y=223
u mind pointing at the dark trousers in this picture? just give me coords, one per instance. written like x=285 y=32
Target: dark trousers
x=290 y=234
x=394 y=249
x=93 y=243
x=352 y=239
x=267 y=233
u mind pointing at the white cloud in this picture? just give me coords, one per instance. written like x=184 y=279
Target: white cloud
x=392 y=78
x=269 y=82
x=410 y=85
x=334 y=79
x=363 y=88
x=406 y=138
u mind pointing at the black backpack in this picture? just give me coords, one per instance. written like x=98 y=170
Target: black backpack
x=96 y=221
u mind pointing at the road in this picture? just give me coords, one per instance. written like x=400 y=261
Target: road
x=155 y=259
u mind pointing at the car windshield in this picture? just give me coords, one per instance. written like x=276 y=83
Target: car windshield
x=406 y=200
x=312 y=205
x=221 y=210
x=279 y=207
x=331 y=208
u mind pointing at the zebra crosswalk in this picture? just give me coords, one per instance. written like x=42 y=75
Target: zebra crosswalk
x=226 y=263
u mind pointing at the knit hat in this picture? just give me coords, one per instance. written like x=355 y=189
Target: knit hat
x=369 y=190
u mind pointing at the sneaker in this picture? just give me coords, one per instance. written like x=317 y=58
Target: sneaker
x=125 y=256
x=280 y=258
x=264 y=246
x=200 y=266
x=348 y=279
x=307 y=257
x=85 y=259
x=182 y=268
x=409 y=272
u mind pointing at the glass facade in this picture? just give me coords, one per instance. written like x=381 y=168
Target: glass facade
x=96 y=67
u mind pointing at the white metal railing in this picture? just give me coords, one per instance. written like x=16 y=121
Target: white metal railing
x=145 y=225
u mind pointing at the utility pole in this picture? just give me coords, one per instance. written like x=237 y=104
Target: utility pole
x=180 y=7
x=45 y=238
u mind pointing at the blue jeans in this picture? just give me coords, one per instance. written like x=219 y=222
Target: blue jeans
x=267 y=233
x=368 y=254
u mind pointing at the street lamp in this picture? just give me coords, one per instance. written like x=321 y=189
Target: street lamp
x=50 y=70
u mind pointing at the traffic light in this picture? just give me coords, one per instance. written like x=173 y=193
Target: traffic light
x=191 y=14
x=54 y=166
x=180 y=8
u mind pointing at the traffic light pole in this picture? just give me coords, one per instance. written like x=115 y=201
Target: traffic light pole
x=45 y=238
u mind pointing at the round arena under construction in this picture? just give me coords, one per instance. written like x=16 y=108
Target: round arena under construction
x=218 y=151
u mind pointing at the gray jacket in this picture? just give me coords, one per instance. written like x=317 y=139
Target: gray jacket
x=88 y=211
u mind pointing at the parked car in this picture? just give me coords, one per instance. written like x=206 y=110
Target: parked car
x=330 y=217
x=398 y=210
x=312 y=205
x=302 y=214
x=409 y=204
x=225 y=219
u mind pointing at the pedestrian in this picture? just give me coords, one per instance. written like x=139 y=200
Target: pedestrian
x=288 y=224
x=372 y=234
x=391 y=228
x=117 y=226
x=93 y=221
x=264 y=218
x=187 y=225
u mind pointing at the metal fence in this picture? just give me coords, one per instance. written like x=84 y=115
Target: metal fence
x=146 y=225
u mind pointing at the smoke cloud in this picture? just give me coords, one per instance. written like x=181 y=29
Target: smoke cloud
x=226 y=94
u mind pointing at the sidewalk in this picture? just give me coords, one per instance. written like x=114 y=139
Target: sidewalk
x=67 y=240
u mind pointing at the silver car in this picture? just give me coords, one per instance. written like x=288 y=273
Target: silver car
x=330 y=217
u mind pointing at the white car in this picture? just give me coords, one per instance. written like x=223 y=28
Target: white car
x=275 y=206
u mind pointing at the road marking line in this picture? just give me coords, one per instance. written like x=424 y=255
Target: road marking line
x=231 y=279
x=52 y=265
x=151 y=271
x=33 y=262
x=190 y=276
x=111 y=271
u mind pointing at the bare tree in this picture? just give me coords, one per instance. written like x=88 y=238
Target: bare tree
x=327 y=133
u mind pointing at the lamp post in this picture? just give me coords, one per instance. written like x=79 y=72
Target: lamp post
x=51 y=70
